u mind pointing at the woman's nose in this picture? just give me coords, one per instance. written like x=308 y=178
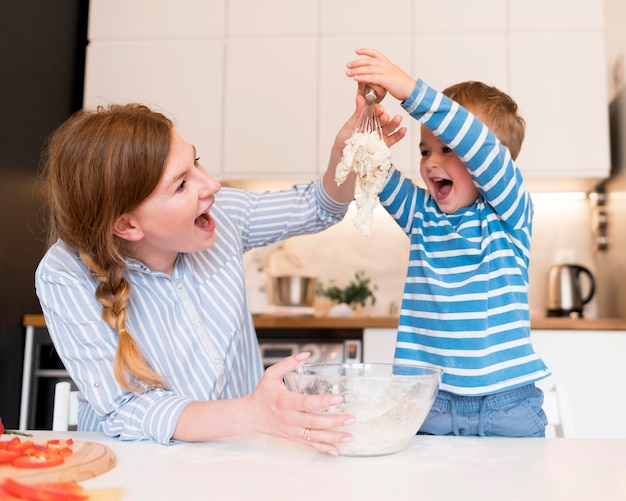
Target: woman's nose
x=210 y=186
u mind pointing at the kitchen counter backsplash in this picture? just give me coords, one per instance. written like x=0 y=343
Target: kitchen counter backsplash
x=561 y=232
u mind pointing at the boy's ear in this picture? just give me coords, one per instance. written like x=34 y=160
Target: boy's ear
x=125 y=227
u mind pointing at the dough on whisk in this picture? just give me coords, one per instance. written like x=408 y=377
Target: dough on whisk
x=366 y=154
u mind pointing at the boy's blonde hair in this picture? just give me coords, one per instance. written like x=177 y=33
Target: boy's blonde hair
x=496 y=109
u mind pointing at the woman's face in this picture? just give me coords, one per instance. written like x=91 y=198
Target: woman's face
x=175 y=217
x=447 y=179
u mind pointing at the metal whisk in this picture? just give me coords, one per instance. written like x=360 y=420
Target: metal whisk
x=368 y=121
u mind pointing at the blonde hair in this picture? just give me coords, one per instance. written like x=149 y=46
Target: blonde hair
x=98 y=165
x=496 y=109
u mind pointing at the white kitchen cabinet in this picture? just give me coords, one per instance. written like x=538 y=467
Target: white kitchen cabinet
x=558 y=78
x=552 y=64
x=267 y=97
x=275 y=18
x=589 y=363
x=559 y=82
x=270 y=108
x=155 y=19
x=445 y=59
x=552 y=15
x=365 y=18
x=460 y=41
x=459 y=16
x=176 y=77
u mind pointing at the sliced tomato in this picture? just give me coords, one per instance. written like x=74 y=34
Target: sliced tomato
x=7 y=456
x=9 y=445
x=61 y=447
x=37 y=461
x=51 y=491
x=19 y=445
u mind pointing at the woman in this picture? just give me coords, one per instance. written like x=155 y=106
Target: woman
x=143 y=288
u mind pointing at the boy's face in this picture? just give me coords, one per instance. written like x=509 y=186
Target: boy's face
x=446 y=177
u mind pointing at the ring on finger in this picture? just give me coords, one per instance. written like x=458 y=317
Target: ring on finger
x=307 y=434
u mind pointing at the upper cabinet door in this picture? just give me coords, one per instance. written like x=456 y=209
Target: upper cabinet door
x=179 y=78
x=260 y=87
x=559 y=83
x=270 y=108
x=155 y=19
x=555 y=15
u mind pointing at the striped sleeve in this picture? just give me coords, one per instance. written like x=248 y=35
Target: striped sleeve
x=489 y=162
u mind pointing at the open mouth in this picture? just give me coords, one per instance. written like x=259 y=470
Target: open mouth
x=204 y=221
x=442 y=187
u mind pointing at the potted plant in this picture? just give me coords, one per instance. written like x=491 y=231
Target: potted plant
x=355 y=295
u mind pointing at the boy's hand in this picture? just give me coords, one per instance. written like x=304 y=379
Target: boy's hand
x=376 y=69
x=381 y=92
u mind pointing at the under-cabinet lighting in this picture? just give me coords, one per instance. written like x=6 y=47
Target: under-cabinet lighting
x=559 y=195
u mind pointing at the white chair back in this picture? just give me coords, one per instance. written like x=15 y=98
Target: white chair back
x=65 y=414
x=556 y=405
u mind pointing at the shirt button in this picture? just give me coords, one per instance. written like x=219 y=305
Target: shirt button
x=198 y=323
x=218 y=361
x=179 y=286
x=97 y=384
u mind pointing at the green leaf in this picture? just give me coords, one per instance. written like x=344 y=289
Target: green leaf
x=358 y=291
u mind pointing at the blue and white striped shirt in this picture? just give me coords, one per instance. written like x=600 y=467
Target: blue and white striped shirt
x=193 y=327
x=465 y=301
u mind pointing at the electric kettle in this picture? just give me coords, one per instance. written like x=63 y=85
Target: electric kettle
x=565 y=296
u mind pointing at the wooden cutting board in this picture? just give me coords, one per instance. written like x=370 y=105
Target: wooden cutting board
x=89 y=459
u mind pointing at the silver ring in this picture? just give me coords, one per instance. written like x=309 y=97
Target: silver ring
x=307 y=434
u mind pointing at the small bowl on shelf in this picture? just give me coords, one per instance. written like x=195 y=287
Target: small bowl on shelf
x=388 y=401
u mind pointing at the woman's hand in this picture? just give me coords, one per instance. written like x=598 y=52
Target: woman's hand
x=376 y=69
x=392 y=132
x=285 y=414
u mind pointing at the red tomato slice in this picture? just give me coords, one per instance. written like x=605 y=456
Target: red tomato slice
x=38 y=461
x=11 y=444
x=53 y=491
x=6 y=456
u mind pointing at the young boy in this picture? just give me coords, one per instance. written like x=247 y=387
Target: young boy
x=465 y=303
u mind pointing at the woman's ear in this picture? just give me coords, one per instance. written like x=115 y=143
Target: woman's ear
x=125 y=227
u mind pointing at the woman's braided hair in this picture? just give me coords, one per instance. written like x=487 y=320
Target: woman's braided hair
x=98 y=165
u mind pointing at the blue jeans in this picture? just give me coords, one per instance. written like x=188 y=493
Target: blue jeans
x=513 y=413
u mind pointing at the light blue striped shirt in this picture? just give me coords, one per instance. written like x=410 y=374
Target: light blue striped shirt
x=193 y=327
x=465 y=301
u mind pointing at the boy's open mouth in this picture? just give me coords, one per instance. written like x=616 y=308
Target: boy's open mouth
x=442 y=186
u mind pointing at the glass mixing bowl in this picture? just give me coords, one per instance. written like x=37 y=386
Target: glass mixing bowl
x=388 y=401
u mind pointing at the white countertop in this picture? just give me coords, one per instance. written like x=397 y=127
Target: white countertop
x=430 y=468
